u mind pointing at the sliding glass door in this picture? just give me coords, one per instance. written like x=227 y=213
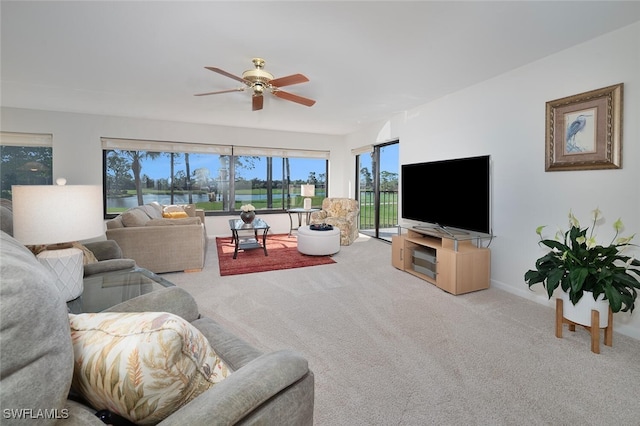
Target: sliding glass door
x=378 y=190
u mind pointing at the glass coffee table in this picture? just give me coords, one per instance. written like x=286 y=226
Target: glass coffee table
x=252 y=241
x=102 y=291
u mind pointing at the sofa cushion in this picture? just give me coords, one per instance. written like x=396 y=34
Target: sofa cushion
x=116 y=222
x=36 y=356
x=176 y=221
x=142 y=366
x=153 y=210
x=135 y=217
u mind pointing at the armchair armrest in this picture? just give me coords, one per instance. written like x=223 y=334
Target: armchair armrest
x=318 y=216
x=105 y=250
x=352 y=216
x=245 y=390
x=109 y=255
x=108 y=265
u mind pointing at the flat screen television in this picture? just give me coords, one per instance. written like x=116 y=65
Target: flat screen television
x=451 y=193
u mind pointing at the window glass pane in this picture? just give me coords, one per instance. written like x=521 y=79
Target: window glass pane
x=258 y=181
x=275 y=182
x=366 y=194
x=138 y=177
x=303 y=171
x=24 y=165
x=389 y=165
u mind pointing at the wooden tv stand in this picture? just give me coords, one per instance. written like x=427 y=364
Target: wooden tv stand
x=455 y=264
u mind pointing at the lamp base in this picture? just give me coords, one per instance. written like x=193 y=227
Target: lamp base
x=307 y=203
x=67 y=266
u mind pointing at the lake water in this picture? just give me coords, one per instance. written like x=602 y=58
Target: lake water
x=128 y=202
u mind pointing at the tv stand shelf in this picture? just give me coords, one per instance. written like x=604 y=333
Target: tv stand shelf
x=452 y=263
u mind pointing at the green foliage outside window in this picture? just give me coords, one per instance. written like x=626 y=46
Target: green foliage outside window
x=24 y=165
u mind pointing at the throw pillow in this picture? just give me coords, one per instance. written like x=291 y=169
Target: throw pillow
x=172 y=208
x=141 y=366
x=175 y=215
x=153 y=210
x=87 y=255
x=135 y=217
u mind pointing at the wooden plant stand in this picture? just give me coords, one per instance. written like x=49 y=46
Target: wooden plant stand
x=594 y=330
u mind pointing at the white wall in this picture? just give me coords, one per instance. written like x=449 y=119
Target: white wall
x=505 y=117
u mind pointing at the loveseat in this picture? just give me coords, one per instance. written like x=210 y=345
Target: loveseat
x=160 y=243
x=38 y=357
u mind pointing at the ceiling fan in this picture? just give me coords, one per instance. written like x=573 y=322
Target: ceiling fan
x=259 y=81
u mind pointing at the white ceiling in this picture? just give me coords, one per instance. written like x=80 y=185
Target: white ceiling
x=366 y=61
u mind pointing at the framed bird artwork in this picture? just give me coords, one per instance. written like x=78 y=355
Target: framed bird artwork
x=584 y=131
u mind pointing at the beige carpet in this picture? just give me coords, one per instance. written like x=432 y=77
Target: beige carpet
x=390 y=349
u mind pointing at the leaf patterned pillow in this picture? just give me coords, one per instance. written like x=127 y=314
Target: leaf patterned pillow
x=142 y=366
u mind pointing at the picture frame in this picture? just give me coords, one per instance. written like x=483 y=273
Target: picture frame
x=584 y=131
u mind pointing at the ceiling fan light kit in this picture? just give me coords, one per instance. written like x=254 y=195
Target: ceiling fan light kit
x=259 y=80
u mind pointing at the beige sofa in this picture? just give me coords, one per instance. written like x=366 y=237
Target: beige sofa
x=158 y=243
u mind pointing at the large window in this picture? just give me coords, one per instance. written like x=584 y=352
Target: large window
x=216 y=178
x=26 y=160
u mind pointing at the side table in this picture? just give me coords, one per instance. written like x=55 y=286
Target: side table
x=300 y=212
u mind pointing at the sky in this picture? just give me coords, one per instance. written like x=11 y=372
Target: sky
x=300 y=167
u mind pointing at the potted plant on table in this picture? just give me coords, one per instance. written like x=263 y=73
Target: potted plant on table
x=580 y=266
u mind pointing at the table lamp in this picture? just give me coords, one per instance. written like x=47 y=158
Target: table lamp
x=56 y=216
x=307 y=191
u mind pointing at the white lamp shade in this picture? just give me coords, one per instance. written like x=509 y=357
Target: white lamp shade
x=52 y=214
x=307 y=190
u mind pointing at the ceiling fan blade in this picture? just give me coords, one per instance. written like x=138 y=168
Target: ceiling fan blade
x=228 y=74
x=289 y=80
x=239 y=89
x=257 y=102
x=294 y=98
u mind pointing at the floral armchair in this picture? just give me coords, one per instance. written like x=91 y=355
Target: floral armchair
x=343 y=214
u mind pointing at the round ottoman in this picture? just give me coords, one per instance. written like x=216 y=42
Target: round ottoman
x=318 y=243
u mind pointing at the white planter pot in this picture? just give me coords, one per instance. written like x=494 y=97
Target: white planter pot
x=580 y=313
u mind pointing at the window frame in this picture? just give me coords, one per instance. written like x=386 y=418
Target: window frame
x=233 y=151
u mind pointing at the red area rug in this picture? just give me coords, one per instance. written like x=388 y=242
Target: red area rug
x=283 y=254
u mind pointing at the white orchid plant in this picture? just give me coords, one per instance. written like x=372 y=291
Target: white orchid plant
x=247 y=208
x=577 y=263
